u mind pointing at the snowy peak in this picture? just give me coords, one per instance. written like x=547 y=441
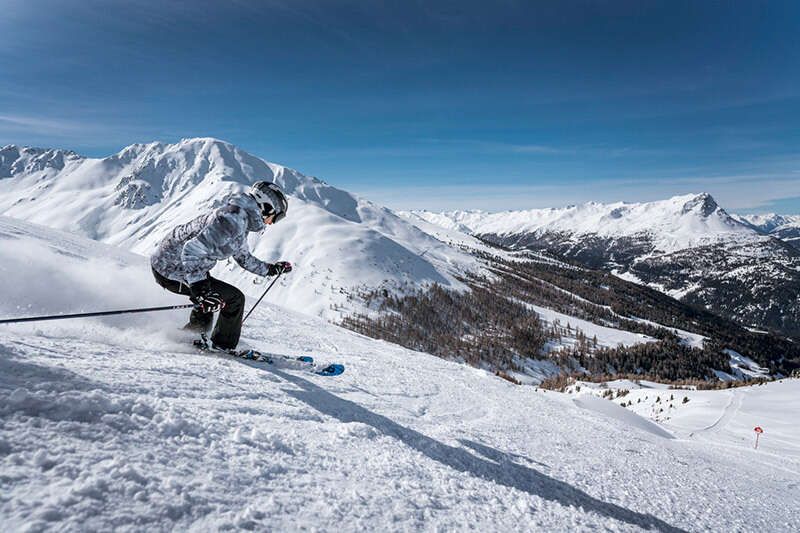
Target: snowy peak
x=676 y=223
x=172 y=168
x=784 y=227
x=133 y=198
x=145 y=175
x=767 y=223
x=23 y=159
x=687 y=247
x=702 y=204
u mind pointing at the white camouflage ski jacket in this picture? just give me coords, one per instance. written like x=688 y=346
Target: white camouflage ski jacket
x=192 y=249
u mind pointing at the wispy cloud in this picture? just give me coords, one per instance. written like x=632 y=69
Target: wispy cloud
x=428 y=147
x=432 y=147
x=500 y=147
x=41 y=125
x=95 y=136
x=494 y=146
x=783 y=206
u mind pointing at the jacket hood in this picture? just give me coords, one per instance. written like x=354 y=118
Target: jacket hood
x=248 y=204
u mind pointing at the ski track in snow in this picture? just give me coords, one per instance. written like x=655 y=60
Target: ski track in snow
x=98 y=436
x=728 y=412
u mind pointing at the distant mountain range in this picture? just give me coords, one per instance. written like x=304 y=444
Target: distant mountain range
x=746 y=268
x=784 y=227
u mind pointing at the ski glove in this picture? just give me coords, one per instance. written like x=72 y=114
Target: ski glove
x=281 y=267
x=204 y=299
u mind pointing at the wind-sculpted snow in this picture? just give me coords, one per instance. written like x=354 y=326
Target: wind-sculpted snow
x=109 y=425
x=337 y=241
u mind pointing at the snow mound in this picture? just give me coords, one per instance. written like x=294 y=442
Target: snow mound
x=612 y=410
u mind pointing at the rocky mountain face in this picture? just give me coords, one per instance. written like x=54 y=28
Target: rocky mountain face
x=688 y=247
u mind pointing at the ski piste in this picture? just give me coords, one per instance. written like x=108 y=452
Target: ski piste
x=302 y=362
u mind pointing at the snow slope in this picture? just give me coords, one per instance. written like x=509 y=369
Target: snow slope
x=721 y=418
x=674 y=224
x=337 y=240
x=453 y=234
x=113 y=424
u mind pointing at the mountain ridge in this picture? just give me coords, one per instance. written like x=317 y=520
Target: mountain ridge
x=134 y=197
x=784 y=227
x=676 y=223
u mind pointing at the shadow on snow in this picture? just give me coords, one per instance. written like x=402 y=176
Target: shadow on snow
x=494 y=466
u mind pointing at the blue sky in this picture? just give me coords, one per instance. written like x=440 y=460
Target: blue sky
x=438 y=105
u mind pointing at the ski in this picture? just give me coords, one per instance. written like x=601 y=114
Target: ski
x=302 y=362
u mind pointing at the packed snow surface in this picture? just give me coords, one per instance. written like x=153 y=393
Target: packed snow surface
x=115 y=424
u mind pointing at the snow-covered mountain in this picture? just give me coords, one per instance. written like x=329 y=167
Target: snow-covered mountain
x=338 y=241
x=784 y=227
x=669 y=225
x=112 y=424
x=687 y=246
x=341 y=244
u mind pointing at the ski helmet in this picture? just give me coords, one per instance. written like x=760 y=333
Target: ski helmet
x=270 y=199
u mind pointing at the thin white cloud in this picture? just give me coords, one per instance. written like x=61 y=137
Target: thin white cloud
x=39 y=124
x=496 y=146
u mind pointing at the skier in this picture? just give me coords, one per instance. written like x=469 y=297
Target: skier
x=182 y=262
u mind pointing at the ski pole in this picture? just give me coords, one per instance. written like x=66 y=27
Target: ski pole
x=262 y=296
x=100 y=313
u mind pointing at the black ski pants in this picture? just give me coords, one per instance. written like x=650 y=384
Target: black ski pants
x=229 y=324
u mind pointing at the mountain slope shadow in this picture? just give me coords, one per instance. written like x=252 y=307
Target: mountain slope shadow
x=503 y=472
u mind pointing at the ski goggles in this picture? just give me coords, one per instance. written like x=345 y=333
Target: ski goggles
x=279 y=215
